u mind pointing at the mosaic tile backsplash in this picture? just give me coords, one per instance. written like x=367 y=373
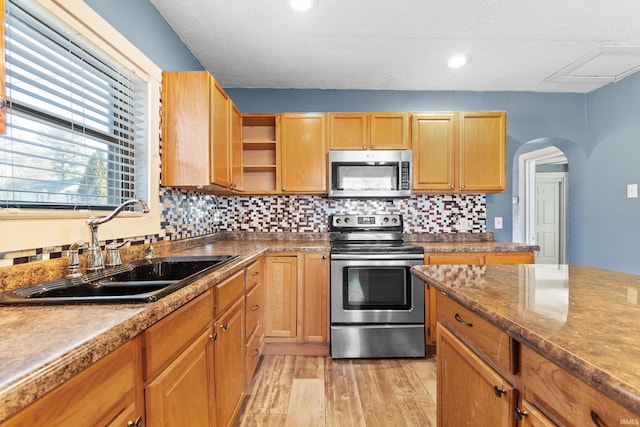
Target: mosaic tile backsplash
x=188 y=214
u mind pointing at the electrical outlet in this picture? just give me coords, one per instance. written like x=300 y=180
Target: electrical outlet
x=497 y=223
x=632 y=191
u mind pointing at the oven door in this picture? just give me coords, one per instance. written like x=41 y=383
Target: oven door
x=375 y=291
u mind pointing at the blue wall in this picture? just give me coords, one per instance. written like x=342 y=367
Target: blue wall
x=141 y=23
x=599 y=132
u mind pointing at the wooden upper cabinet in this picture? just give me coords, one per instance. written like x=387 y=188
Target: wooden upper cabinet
x=237 y=176
x=3 y=77
x=185 y=128
x=459 y=152
x=220 y=135
x=196 y=137
x=368 y=131
x=435 y=142
x=483 y=151
x=303 y=153
x=389 y=131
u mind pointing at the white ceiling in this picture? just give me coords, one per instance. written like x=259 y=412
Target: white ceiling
x=516 y=45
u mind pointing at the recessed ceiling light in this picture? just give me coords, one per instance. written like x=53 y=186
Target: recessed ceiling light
x=457 y=61
x=303 y=5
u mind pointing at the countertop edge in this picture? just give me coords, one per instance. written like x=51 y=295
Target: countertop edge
x=613 y=387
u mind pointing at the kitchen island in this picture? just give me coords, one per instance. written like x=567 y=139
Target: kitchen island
x=584 y=321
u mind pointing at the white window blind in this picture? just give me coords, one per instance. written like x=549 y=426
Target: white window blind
x=76 y=119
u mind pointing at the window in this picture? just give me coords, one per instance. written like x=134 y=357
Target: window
x=76 y=119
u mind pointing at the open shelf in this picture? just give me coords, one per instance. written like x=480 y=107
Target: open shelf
x=259 y=152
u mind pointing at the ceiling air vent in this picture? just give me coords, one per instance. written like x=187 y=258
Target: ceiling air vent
x=604 y=64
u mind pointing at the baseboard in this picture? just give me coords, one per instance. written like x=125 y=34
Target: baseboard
x=296 y=349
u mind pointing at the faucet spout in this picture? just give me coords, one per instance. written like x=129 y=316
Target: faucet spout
x=94 y=254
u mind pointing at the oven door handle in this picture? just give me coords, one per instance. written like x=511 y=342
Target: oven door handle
x=395 y=257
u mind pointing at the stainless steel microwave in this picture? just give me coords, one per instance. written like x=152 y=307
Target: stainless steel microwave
x=370 y=174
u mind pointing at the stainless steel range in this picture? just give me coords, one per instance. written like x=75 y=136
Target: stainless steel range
x=377 y=306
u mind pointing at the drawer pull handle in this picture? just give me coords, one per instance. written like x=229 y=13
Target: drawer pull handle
x=254 y=307
x=459 y=319
x=520 y=414
x=136 y=423
x=254 y=353
x=595 y=418
x=499 y=391
x=224 y=326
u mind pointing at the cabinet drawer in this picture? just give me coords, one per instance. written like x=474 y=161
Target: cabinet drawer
x=253 y=352
x=255 y=307
x=509 y=258
x=493 y=345
x=563 y=397
x=255 y=273
x=456 y=258
x=228 y=291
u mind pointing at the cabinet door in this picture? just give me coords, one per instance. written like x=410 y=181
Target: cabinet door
x=185 y=128
x=229 y=363
x=220 y=135
x=183 y=392
x=434 y=145
x=531 y=417
x=237 y=182
x=389 y=131
x=470 y=393
x=105 y=392
x=348 y=131
x=304 y=153
x=315 y=322
x=483 y=146
x=281 y=280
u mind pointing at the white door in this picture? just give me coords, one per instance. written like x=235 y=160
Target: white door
x=548 y=219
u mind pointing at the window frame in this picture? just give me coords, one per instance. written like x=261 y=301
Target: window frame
x=44 y=227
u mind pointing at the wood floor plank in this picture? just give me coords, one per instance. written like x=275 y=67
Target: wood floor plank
x=344 y=407
x=307 y=403
x=425 y=371
x=379 y=405
x=309 y=367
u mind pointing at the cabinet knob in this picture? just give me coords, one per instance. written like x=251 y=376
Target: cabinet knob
x=136 y=423
x=255 y=273
x=520 y=414
x=364 y=147
x=453 y=187
x=254 y=307
x=284 y=189
x=214 y=336
x=499 y=391
x=462 y=187
x=3 y=103
x=373 y=146
x=254 y=353
x=224 y=326
x=324 y=257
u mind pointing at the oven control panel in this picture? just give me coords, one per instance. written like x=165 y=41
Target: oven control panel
x=365 y=222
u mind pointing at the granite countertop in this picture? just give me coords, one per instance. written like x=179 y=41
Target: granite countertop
x=584 y=319
x=43 y=346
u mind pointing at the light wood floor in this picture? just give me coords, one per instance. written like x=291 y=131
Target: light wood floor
x=319 y=391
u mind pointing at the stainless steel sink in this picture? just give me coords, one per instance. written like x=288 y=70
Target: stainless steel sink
x=136 y=282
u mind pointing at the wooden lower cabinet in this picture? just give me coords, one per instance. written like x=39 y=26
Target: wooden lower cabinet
x=315 y=314
x=178 y=355
x=470 y=392
x=297 y=303
x=107 y=393
x=229 y=372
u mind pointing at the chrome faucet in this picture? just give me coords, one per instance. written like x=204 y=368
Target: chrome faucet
x=94 y=254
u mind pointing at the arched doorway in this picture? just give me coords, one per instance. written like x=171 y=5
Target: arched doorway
x=541 y=201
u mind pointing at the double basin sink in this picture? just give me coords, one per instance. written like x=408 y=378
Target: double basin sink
x=137 y=282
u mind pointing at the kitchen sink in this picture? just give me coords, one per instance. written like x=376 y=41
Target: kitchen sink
x=137 y=282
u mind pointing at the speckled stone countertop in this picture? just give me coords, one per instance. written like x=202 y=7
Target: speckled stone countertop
x=43 y=346
x=584 y=319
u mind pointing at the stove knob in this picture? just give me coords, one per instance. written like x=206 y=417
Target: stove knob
x=385 y=219
x=394 y=220
x=347 y=220
x=338 y=220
